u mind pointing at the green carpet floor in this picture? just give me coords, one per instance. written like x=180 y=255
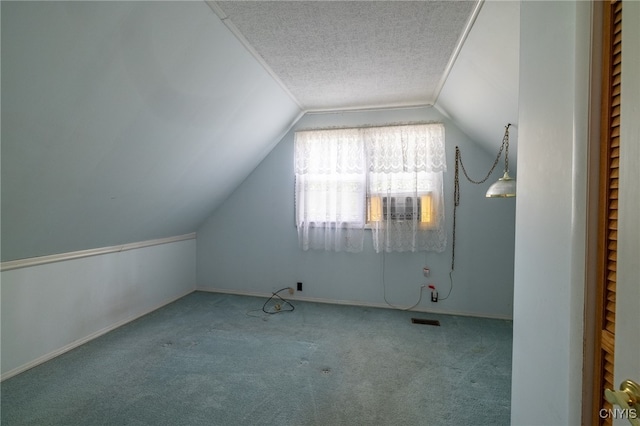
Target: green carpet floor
x=216 y=359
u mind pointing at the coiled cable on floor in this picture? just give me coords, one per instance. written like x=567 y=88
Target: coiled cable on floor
x=281 y=304
x=278 y=307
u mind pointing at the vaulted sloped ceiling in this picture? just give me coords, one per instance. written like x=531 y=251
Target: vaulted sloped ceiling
x=125 y=121
x=481 y=91
x=129 y=121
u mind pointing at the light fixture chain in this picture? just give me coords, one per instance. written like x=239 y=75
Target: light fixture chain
x=456 y=183
x=505 y=141
x=495 y=163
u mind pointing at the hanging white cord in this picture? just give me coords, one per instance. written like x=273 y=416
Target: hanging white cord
x=384 y=288
x=450 y=286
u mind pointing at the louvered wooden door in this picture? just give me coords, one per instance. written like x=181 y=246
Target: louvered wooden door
x=608 y=221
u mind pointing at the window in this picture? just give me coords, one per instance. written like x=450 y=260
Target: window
x=388 y=179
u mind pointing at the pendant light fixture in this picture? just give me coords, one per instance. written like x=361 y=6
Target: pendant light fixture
x=506 y=185
x=503 y=188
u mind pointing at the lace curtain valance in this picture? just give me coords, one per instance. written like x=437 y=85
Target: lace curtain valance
x=416 y=148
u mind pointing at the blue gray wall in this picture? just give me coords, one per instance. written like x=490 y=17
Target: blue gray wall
x=249 y=245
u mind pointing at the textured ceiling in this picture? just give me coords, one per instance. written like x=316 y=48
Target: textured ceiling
x=333 y=55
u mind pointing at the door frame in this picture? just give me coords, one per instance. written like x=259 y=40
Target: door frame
x=593 y=213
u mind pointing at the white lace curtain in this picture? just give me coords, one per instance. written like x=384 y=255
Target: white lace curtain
x=330 y=189
x=342 y=175
x=405 y=165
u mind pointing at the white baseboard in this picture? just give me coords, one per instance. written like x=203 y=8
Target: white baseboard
x=79 y=342
x=296 y=296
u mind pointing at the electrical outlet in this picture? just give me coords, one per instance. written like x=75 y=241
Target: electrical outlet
x=299 y=287
x=425 y=271
x=434 y=296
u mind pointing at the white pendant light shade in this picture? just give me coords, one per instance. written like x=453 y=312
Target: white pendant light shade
x=504 y=187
